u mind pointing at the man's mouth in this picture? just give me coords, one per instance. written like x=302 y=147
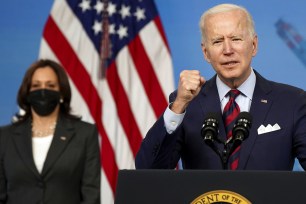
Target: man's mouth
x=230 y=63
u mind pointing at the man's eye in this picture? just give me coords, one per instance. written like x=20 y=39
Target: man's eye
x=217 y=42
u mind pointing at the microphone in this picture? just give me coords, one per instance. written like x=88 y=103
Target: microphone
x=241 y=130
x=209 y=129
x=242 y=126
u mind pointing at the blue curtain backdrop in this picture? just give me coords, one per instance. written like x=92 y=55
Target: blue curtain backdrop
x=21 y=24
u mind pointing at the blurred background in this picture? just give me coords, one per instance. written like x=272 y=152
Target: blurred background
x=281 y=56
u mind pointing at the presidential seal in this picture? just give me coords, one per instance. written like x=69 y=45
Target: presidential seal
x=221 y=197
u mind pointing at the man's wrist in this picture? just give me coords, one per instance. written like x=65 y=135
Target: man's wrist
x=172 y=120
x=177 y=107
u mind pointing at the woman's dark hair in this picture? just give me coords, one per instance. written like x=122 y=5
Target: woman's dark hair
x=25 y=86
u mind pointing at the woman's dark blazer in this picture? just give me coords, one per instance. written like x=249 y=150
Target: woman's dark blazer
x=71 y=172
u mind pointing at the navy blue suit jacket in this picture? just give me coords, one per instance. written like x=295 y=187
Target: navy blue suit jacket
x=271 y=103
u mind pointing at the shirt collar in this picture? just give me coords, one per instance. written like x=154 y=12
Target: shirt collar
x=246 y=88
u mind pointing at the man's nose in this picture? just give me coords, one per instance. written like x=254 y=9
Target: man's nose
x=227 y=47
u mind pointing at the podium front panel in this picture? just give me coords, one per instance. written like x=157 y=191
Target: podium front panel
x=184 y=186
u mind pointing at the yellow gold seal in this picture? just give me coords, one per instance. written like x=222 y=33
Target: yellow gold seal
x=221 y=196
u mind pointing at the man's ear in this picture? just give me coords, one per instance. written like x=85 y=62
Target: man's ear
x=255 y=45
x=205 y=52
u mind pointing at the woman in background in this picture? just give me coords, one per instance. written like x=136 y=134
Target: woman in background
x=48 y=156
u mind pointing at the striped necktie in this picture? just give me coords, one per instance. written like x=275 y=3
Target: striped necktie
x=230 y=113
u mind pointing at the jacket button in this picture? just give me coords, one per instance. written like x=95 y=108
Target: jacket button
x=41 y=184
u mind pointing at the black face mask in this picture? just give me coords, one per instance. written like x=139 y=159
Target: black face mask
x=44 y=101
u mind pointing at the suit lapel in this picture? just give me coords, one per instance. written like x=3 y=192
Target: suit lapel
x=63 y=133
x=22 y=137
x=261 y=103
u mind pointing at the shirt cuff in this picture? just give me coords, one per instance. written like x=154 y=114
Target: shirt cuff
x=172 y=120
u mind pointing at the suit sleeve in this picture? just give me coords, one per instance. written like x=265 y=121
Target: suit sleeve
x=92 y=171
x=159 y=150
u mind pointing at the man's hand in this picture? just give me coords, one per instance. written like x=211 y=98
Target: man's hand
x=189 y=87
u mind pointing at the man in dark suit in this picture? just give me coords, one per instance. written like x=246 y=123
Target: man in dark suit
x=278 y=131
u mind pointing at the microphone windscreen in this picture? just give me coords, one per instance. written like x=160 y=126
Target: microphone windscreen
x=212 y=115
x=245 y=115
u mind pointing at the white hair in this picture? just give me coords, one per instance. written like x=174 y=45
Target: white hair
x=223 y=8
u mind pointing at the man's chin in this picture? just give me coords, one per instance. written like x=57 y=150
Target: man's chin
x=232 y=74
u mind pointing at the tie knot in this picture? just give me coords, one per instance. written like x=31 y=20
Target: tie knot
x=233 y=93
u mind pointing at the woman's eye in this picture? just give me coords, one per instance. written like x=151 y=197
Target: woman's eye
x=35 y=85
x=51 y=86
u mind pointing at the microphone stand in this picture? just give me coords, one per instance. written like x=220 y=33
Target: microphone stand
x=224 y=157
x=229 y=148
x=224 y=154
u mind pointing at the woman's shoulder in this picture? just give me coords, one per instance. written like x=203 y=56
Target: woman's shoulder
x=6 y=127
x=6 y=131
x=85 y=124
x=11 y=126
x=78 y=123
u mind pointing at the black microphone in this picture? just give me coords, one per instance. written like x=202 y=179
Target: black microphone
x=242 y=127
x=209 y=129
x=241 y=130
